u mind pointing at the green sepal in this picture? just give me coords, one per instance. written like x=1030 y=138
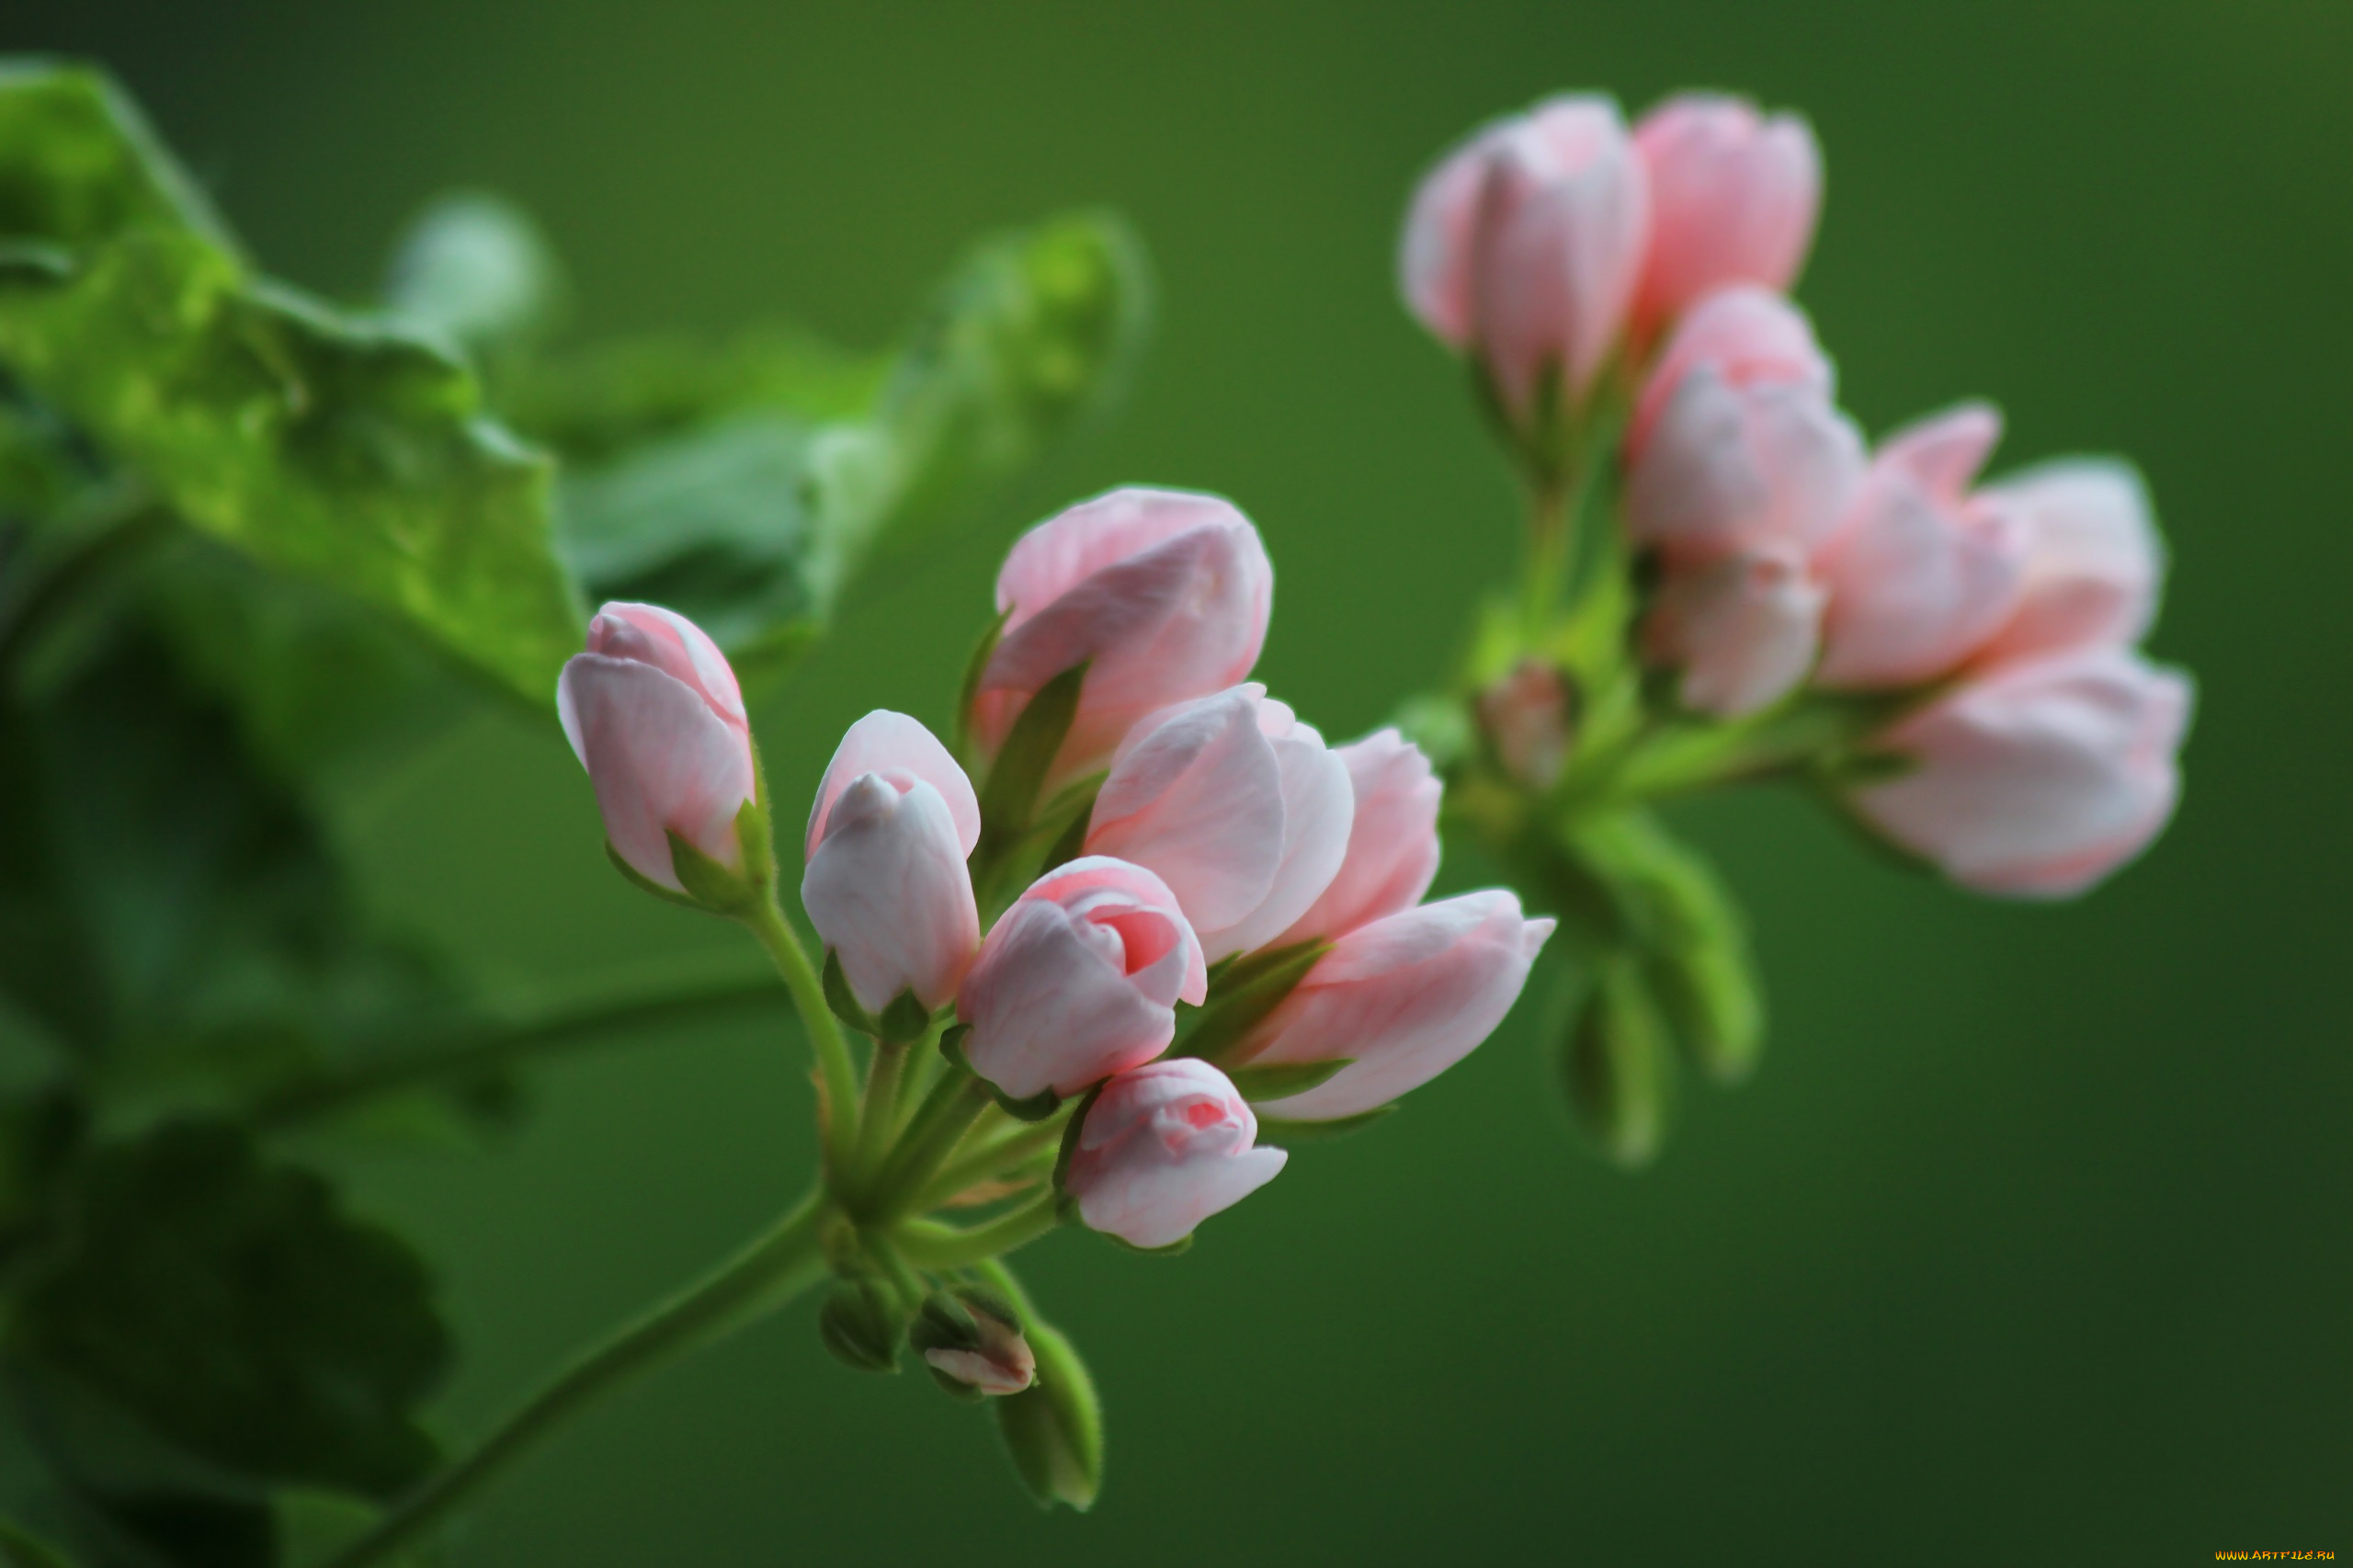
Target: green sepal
x=1244 y=994
x=1183 y=1244
x=725 y=890
x=843 y=1001
x=905 y=1020
x=951 y=1046
x=1278 y=1130
x=954 y=1388
x=1279 y=1080
x=944 y=1324
x=861 y=1324
x=644 y=883
x=1037 y=1108
x=1028 y=756
x=1616 y=1063
x=1053 y=1428
x=968 y=690
x=1071 y=842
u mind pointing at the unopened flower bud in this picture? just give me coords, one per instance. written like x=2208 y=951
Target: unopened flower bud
x=861 y=1326
x=1053 y=1429
x=1393 y=838
x=1163 y=1147
x=886 y=885
x=1164 y=595
x=1080 y=979
x=971 y=1339
x=2094 y=562
x=1526 y=716
x=1733 y=196
x=655 y=715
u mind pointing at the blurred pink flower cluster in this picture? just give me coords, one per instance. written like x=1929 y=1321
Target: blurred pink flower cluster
x=1224 y=827
x=1580 y=261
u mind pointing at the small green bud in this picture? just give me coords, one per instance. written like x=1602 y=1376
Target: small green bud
x=1053 y=1429
x=861 y=1326
x=1615 y=1063
x=972 y=1342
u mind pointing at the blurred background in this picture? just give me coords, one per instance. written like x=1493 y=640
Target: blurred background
x=2033 y=1239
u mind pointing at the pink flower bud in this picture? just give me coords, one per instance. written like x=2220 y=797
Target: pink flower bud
x=2039 y=779
x=1920 y=574
x=1393 y=839
x=992 y=1357
x=1736 y=443
x=1234 y=803
x=1526 y=716
x=1080 y=979
x=886 y=886
x=1525 y=243
x=1165 y=1147
x=1403 y=998
x=1741 y=630
x=1167 y=593
x=1733 y=197
x=655 y=715
x=2093 y=563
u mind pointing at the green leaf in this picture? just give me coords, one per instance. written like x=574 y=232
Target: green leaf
x=170 y=914
x=1279 y=1080
x=349 y=450
x=476 y=269
x=747 y=487
x=233 y=1307
x=1010 y=796
x=1616 y=1064
x=1280 y=1131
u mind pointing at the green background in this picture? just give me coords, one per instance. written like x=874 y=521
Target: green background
x=2032 y=1242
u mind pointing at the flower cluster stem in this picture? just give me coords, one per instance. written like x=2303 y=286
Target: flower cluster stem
x=769 y=1272
x=840 y=1077
x=930 y=1244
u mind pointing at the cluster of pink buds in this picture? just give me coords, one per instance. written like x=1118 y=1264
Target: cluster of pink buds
x=1622 y=292
x=1169 y=859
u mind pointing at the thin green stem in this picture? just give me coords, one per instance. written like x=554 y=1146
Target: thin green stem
x=996 y=1157
x=1552 y=542
x=930 y=1244
x=774 y=1268
x=940 y=1123
x=840 y=1131
x=878 y=1117
x=312 y=1099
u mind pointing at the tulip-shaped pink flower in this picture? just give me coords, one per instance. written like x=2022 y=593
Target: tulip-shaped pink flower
x=1234 y=803
x=886 y=886
x=1736 y=443
x=1524 y=244
x=655 y=715
x=1080 y=979
x=1393 y=838
x=1743 y=630
x=1733 y=197
x=2094 y=562
x=1921 y=574
x=1165 y=1147
x=2041 y=778
x=1404 y=998
x=1164 y=594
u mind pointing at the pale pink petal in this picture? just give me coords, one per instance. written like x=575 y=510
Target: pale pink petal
x=1392 y=851
x=1743 y=630
x=1734 y=198
x=885 y=742
x=660 y=759
x=2095 y=563
x=1196 y=794
x=887 y=890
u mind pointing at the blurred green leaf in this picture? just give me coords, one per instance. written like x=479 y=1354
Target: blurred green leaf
x=746 y=489
x=18 y=1548
x=476 y=269
x=1616 y=1062
x=171 y=912
x=233 y=1307
x=351 y=450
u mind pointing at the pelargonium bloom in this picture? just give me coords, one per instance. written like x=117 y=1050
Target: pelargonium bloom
x=1164 y=595
x=1163 y=1147
x=2094 y=562
x=1239 y=807
x=1079 y=978
x=1403 y=998
x=1524 y=244
x=1921 y=574
x=2041 y=778
x=1734 y=198
x=886 y=887
x=654 y=714
x=1393 y=850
